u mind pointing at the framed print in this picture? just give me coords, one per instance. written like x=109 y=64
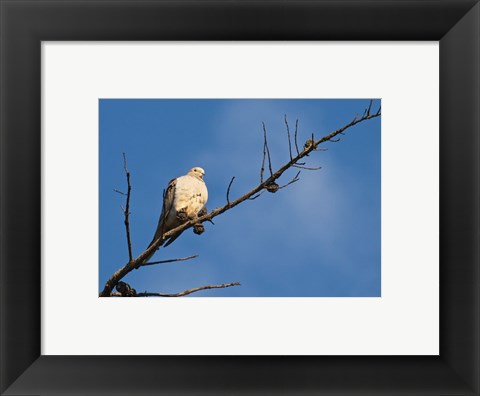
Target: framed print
x=60 y=337
x=345 y=279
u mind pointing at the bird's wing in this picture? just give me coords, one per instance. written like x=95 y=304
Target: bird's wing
x=167 y=207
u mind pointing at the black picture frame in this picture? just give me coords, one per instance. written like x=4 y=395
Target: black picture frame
x=24 y=24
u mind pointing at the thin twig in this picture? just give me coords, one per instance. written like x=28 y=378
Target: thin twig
x=170 y=260
x=262 y=169
x=228 y=189
x=306 y=167
x=126 y=211
x=118 y=191
x=268 y=150
x=189 y=291
x=252 y=194
x=289 y=140
x=256 y=196
x=295 y=179
x=296 y=141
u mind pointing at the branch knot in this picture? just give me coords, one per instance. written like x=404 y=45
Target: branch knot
x=198 y=228
x=308 y=144
x=272 y=187
x=126 y=290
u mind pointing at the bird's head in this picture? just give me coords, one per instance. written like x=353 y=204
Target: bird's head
x=197 y=172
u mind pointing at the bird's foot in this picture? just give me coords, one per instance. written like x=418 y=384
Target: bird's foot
x=203 y=212
x=182 y=215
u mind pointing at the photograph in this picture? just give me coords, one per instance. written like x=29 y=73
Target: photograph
x=240 y=197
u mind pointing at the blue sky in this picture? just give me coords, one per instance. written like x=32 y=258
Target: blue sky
x=319 y=237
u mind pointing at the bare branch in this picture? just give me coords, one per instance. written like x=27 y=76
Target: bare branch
x=289 y=140
x=262 y=169
x=228 y=189
x=189 y=291
x=252 y=194
x=170 y=260
x=275 y=175
x=295 y=179
x=306 y=167
x=125 y=290
x=268 y=150
x=119 y=192
x=296 y=141
x=256 y=196
x=126 y=211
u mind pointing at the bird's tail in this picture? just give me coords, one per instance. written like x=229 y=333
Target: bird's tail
x=170 y=240
x=162 y=228
x=163 y=243
x=158 y=234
